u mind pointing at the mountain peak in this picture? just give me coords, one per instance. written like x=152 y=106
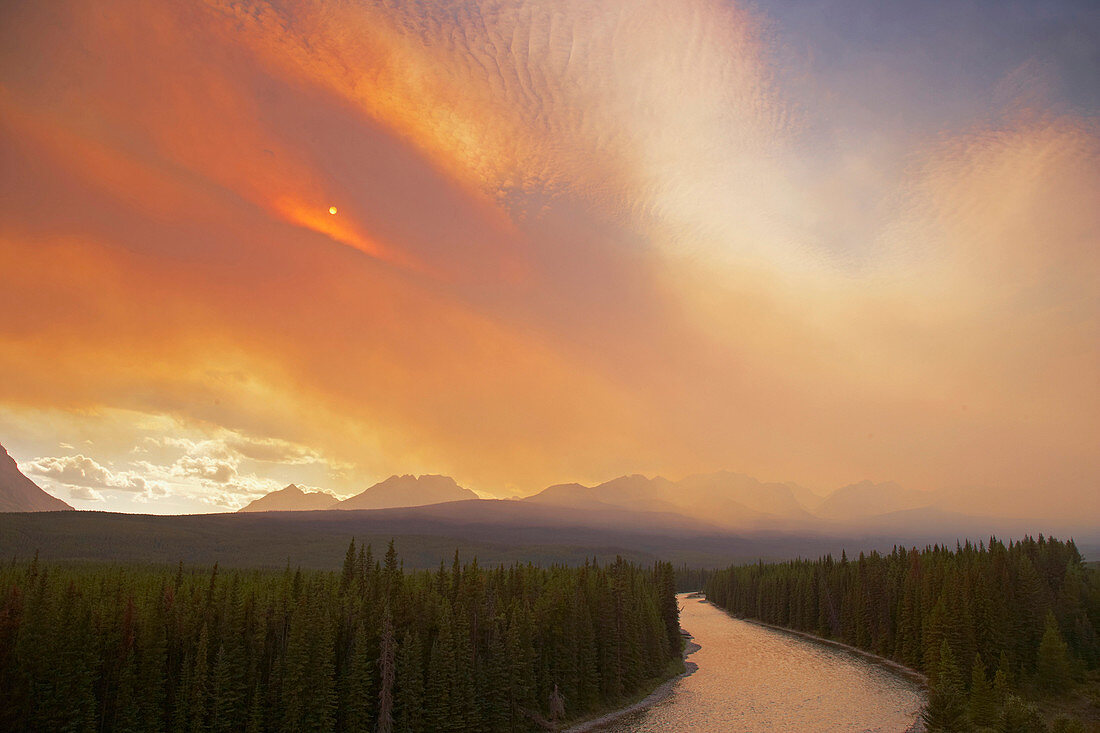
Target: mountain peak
x=408 y=490
x=291 y=499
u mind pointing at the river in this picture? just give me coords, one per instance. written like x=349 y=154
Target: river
x=753 y=678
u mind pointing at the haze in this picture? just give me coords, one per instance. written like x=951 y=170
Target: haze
x=810 y=242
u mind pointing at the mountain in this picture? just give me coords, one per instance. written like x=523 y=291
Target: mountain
x=809 y=500
x=406 y=491
x=19 y=494
x=635 y=492
x=724 y=499
x=291 y=499
x=868 y=499
x=736 y=496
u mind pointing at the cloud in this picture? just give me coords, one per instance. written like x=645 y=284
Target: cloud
x=573 y=241
x=84 y=475
x=83 y=493
x=203 y=467
x=271 y=450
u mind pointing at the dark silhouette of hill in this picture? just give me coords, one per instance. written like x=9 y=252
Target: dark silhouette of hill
x=19 y=494
x=495 y=531
x=408 y=490
x=291 y=499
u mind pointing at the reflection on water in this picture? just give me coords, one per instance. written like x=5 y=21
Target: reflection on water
x=752 y=678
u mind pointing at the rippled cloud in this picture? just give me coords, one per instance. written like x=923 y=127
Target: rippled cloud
x=571 y=240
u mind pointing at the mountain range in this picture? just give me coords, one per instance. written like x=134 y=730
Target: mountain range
x=722 y=502
x=396 y=491
x=734 y=501
x=706 y=520
x=19 y=494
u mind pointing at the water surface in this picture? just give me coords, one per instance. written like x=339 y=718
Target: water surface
x=752 y=678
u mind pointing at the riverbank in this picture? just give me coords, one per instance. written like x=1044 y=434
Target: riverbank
x=898 y=669
x=658 y=694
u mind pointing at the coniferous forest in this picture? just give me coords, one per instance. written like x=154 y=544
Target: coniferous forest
x=993 y=627
x=372 y=648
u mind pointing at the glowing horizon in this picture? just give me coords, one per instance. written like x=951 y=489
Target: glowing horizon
x=244 y=245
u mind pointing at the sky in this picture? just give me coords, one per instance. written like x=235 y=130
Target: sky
x=810 y=241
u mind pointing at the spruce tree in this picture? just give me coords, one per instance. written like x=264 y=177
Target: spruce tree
x=409 y=700
x=386 y=668
x=983 y=703
x=440 y=684
x=359 y=687
x=946 y=711
x=1052 y=670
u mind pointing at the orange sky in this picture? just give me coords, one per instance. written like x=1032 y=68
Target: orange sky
x=572 y=241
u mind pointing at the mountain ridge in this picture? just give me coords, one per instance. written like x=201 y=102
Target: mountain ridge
x=291 y=498
x=19 y=494
x=407 y=490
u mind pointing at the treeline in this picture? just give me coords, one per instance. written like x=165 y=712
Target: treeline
x=691 y=579
x=371 y=648
x=989 y=625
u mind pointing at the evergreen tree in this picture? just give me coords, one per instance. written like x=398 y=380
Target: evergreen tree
x=946 y=711
x=360 y=682
x=440 y=684
x=112 y=648
x=982 y=710
x=1053 y=671
x=386 y=666
x=409 y=701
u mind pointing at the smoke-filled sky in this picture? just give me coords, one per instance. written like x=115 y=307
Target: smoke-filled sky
x=810 y=241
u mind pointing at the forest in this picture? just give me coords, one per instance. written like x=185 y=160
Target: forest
x=1004 y=632
x=100 y=647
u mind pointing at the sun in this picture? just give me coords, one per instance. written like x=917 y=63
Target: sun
x=332 y=209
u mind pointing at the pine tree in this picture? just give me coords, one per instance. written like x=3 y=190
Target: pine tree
x=409 y=701
x=347 y=576
x=360 y=681
x=946 y=711
x=386 y=668
x=440 y=684
x=983 y=703
x=1053 y=671
x=295 y=682
x=112 y=649
x=519 y=657
x=198 y=695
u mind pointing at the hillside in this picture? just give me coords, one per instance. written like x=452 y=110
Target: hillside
x=19 y=494
x=495 y=531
